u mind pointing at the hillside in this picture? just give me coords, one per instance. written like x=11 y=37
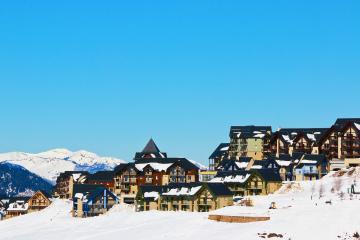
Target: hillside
x=15 y=180
x=50 y=164
x=301 y=214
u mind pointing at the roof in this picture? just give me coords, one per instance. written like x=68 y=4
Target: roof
x=312 y=159
x=150 y=151
x=221 y=151
x=70 y=173
x=107 y=176
x=241 y=176
x=184 y=189
x=219 y=189
x=269 y=175
x=84 y=188
x=186 y=164
x=340 y=125
x=88 y=192
x=250 y=131
x=15 y=199
x=289 y=135
x=45 y=193
x=234 y=164
x=341 y=122
x=120 y=167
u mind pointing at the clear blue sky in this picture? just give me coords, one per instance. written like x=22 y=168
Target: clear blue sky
x=106 y=76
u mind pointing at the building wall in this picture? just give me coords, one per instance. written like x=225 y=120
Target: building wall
x=38 y=202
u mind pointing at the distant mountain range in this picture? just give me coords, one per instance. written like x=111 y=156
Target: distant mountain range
x=16 y=180
x=50 y=164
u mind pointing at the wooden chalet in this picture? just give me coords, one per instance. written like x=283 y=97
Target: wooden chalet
x=17 y=206
x=39 y=201
x=92 y=200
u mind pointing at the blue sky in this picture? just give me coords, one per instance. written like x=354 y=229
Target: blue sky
x=107 y=76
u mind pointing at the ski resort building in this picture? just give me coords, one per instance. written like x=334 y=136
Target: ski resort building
x=289 y=140
x=17 y=207
x=191 y=197
x=102 y=178
x=149 y=169
x=250 y=182
x=311 y=167
x=249 y=141
x=65 y=183
x=39 y=201
x=92 y=200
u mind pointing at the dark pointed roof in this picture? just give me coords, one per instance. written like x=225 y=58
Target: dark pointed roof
x=151 y=147
x=150 y=151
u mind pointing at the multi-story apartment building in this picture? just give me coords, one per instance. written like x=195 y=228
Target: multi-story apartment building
x=249 y=141
x=151 y=170
x=342 y=141
x=289 y=140
x=65 y=183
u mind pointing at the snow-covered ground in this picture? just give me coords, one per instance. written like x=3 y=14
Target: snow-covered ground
x=51 y=163
x=300 y=214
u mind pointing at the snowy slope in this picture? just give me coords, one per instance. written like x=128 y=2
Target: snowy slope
x=298 y=217
x=49 y=164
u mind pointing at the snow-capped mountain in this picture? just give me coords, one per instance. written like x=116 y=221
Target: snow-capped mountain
x=16 y=180
x=199 y=165
x=50 y=164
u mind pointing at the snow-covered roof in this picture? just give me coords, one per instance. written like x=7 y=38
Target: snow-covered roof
x=283 y=163
x=156 y=166
x=76 y=176
x=224 y=148
x=154 y=195
x=311 y=137
x=18 y=206
x=259 y=135
x=309 y=161
x=357 y=125
x=184 y=191
x=79 y=195
x=287 y=139
x=256 y=167
x=241 y=164
x=231 y=179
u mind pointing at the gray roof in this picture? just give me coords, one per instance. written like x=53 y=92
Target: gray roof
x=250 y=131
